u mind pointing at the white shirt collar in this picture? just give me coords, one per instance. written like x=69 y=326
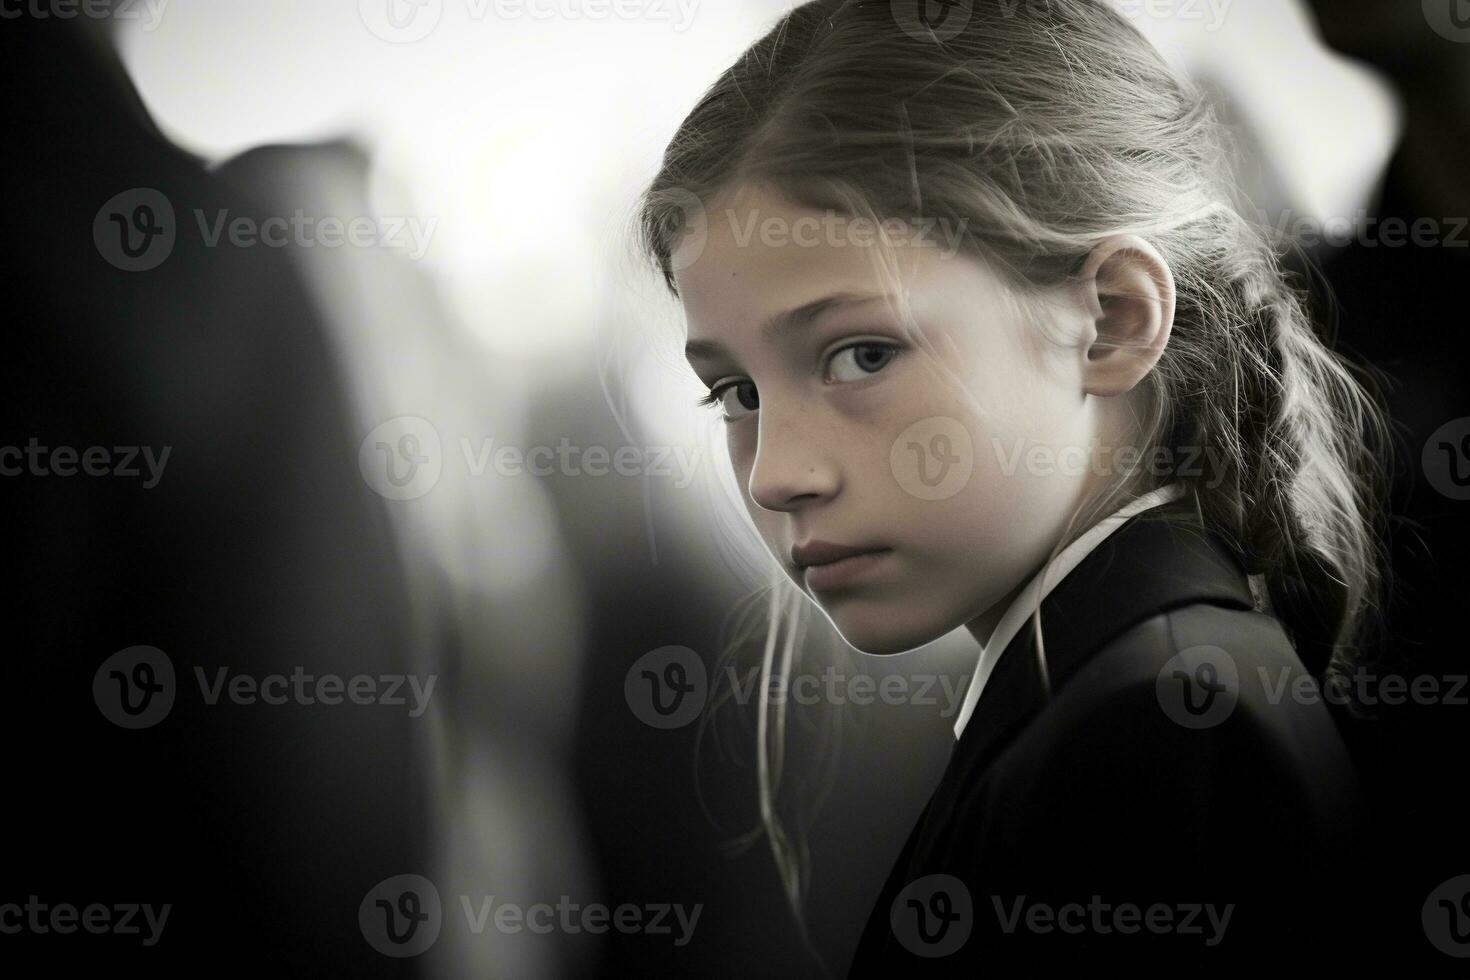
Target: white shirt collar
x=1035 y=590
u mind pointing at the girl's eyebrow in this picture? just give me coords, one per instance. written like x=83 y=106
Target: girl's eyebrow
x=787 y=321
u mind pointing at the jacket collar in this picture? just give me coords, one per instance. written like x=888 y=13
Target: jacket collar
x=1160 y=559
x=1041 y=584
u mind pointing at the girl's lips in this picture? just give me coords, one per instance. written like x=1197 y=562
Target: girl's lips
x=843 y=571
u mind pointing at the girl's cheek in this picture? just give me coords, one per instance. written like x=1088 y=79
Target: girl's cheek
x=742 y=449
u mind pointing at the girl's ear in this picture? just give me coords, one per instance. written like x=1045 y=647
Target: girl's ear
x=1128 y=291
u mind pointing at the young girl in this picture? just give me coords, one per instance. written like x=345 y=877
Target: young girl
x=995 y=349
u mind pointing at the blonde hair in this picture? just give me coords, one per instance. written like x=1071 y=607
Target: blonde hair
x=1040 y=129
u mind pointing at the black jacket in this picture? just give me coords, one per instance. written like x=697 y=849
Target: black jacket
x=1180 y=772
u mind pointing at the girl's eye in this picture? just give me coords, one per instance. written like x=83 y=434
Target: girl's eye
x=736 y=398
x=860 y=360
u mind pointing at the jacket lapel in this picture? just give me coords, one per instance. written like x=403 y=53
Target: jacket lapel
x=1160 y=559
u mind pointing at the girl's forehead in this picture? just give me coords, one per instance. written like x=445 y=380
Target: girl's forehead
x=765 y=256
x=753 y=252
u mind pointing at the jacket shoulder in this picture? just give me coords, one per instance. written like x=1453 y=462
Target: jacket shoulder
x=1176 y=766
x=1198 y=726
x=1191 y=683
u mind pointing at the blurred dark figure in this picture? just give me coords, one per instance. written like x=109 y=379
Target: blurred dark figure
x=1400 y=304
x=256 y=547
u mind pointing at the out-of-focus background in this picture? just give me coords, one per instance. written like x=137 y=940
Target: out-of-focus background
x=363 y=269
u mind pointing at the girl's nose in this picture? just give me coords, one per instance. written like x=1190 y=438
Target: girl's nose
x=794 y=466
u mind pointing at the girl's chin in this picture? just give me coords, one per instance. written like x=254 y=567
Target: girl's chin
x=877 y=635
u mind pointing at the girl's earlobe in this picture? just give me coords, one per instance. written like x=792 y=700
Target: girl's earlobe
x=1128 y=291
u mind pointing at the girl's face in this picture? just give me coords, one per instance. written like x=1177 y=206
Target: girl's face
x=905 y=502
